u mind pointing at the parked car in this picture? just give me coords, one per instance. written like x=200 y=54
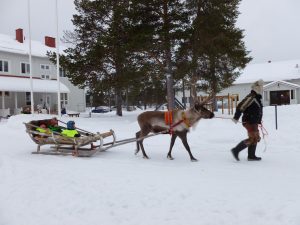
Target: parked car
x=130 y=108
x=101 y=109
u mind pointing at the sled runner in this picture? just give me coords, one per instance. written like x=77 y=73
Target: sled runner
x=82 y=145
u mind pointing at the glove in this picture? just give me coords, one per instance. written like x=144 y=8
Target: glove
x=234 y=120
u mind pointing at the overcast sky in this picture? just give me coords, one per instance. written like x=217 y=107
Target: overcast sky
x=272 y=30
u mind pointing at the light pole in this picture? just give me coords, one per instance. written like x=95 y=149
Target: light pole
x=57 y=64
x=30 y=61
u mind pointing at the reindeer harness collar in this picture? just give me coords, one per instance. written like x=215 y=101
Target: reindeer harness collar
x=169 y=121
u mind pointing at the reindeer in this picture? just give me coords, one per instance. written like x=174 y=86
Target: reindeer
x=154 y=121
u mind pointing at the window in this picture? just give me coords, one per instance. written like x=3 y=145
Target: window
x=63 y=99
x=45 y=71
x=28 y=98
x=6 y=93
x=45 y=67
x=62 y=72
x=25 y=68
x=46 y=77
x=292 y=94
x=3 y=66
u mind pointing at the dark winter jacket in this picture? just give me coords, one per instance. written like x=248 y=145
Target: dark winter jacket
x=251 y=107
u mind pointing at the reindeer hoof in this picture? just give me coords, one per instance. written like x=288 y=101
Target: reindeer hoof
x=170 y=157
x=145 y=157
x=194 y=160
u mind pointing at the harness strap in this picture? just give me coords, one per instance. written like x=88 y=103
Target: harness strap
x=169 y=121
x=185 y=120
x=169 y=117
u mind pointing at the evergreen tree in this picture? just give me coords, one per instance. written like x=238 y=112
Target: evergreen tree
x=215 y=51
x=102 y=56
x=164 y=23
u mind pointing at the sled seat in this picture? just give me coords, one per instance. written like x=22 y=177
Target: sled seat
x=66 y=145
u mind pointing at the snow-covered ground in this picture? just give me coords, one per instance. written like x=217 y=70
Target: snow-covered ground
x=116 y=187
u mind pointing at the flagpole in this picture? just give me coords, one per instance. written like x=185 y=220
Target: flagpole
x=30 y=61
x=57 y=64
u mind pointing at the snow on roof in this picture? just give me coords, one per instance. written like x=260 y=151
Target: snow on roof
x=20 y=84
x=39 y=49
x=281 y=70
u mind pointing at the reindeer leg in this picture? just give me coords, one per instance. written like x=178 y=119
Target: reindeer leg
x=143 y=150
x=183 y=138
x=173 y=138
x=144 y=132
x=137 y=135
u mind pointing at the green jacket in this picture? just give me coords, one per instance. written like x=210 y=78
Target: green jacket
x=56 y=128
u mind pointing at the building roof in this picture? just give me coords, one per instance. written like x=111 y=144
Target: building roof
x=21 y=84
x=271 y=71
x=39 y=49
x=281 y=82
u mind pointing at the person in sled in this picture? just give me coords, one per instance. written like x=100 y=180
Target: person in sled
x=252 y=109
x=53 y=125
x=43 y=129
x=71 y=130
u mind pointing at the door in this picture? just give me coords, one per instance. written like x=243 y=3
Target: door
x=280 y=97
x=46 y=101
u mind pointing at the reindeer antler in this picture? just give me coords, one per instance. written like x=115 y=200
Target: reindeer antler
x=209 y=98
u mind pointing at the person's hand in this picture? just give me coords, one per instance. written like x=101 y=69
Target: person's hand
x=234 y=120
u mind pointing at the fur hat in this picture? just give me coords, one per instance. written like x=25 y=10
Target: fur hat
x=257 y=86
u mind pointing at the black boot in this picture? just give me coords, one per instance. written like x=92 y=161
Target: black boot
x=251 y=153
x=235 y=151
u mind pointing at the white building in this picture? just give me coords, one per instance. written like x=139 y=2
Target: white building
x=282 y=82
x=15 y=77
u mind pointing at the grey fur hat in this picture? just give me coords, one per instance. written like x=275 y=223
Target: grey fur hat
x=257 y=86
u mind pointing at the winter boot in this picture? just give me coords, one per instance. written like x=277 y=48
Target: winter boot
x=251 y=153
x=235 y=151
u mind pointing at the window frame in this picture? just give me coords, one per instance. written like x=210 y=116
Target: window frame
x=45 y=77
x=62 y=72
x=27 y=98
x=3 y=65
x=45 y=65
x=6 y=94
x=27 y=66
x=64 y=99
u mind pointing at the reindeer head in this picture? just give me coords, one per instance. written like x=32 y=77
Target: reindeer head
x=202 y=111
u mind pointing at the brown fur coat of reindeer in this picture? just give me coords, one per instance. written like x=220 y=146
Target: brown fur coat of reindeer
x=154 y=121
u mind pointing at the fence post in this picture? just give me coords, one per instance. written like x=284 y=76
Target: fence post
x=276 y=124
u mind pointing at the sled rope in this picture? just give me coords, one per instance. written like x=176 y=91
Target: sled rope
x=264 y=133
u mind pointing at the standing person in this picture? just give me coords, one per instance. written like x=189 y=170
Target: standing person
x=252 y=109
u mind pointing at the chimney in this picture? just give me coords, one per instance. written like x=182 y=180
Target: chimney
x=50 y=41
x=19 y=35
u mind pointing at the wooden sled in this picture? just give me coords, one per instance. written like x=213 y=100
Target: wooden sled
x=62 y=145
